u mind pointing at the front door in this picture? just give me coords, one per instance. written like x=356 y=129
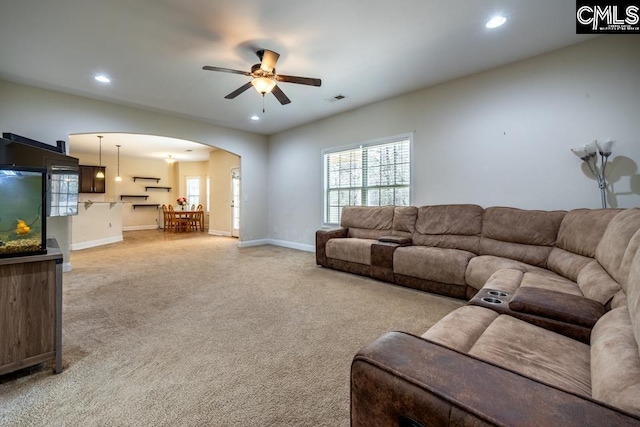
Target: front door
x=235 y=202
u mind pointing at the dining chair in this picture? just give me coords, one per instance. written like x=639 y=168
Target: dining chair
x=200 y=216
x=166 y=218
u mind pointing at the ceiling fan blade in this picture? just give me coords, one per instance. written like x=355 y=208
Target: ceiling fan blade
x=299 y=80
x=280 y=96
x=268 y=59
x=225 y=70
x=238 y=91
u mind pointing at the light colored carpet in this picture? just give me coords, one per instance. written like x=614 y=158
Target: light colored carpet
x=162 y=330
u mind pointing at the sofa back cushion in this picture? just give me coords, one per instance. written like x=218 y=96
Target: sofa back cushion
x=631 y=288
x=367 y=222
x=611 y=249
x=404 y=220
x=579 y=235
x=615 y=365
x=449 y=226
x=523 y=235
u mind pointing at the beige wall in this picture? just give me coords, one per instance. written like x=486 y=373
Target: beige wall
x=501 y=137
x=220 y=165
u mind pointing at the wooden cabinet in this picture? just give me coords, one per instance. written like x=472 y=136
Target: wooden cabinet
x=88 y=181
x=31 y=310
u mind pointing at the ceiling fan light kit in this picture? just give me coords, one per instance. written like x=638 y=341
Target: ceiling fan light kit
x=265 y=78
x=263 y=85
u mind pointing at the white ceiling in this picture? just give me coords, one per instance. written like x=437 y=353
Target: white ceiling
x=371 y=50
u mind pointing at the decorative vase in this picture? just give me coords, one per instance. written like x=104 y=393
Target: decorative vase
x=183 y=206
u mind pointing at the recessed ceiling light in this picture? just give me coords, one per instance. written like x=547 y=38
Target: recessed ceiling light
x=496 y=21
x=102 y=78
x=255 y=118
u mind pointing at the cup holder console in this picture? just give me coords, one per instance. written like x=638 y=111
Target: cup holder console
x=492 y=300
x=497 y=293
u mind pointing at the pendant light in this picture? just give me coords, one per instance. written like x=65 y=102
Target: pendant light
x=118 y=177
x=100 y=174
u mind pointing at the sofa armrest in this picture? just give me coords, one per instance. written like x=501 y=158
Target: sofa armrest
x=401 y=379
x=322 y=237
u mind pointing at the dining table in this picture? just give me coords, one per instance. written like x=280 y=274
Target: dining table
x=187 y=220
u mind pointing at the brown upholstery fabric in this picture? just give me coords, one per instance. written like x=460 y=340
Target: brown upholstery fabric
x=632 y=289
x=402 y=375
x=449 y=226
x=550 y=282
x=529 y=254
x=615 y=364
x=528 y=227
x=435 y=287
x=522 y=235
x=610 y=251
x=352 y=250
x=506 y=280
x=367 y=217
x=461 y=328
x=556 y=305
x=404 y=220
x=582 y=229
x=436 y=264
x=482 y=267
x=567 y=263
x=595 y=283
x=349 y=267
x=322 y=237
x=536 y=353
x=365 y=233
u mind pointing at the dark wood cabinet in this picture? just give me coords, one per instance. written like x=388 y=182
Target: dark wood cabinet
x=31 y=308
x=88 y=181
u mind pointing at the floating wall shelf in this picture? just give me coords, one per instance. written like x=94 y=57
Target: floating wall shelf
x=145 y=205
x=122 y=196
x=157 y=188
x=136 y=178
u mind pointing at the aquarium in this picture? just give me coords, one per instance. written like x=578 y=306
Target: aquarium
x=22 y=220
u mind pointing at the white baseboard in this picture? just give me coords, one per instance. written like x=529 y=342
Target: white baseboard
x=292 y=245
x=140 y=227
x=93 y=243
x=282 y=243
x=220 y=233
x=250 y=243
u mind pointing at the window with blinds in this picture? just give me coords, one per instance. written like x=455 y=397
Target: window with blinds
x=370 y=175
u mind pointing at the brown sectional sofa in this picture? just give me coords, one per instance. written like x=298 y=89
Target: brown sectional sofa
x=550 y=336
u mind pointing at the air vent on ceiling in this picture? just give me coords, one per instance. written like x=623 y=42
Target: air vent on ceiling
x=336 y=98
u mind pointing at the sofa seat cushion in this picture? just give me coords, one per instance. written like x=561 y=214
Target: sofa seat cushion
x=482 y=267
x=537 y=353
x=615 y=361
x=433 y=264
x=516 y=345
x=351 y=249
x=550 y=281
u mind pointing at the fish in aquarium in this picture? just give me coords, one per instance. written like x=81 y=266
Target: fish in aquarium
x=22 y=228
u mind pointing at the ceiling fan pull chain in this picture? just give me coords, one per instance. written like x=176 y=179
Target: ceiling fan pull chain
x=263 y=103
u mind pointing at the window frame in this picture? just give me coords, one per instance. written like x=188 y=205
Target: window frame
x=188 y=195
x=371 y=143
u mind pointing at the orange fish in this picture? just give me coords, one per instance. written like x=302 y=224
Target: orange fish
x=22 y=228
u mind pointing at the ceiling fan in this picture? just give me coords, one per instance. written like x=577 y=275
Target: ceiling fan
x=265 y=77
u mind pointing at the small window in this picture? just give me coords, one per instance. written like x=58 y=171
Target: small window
x=193 y=191
x=376 y=174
